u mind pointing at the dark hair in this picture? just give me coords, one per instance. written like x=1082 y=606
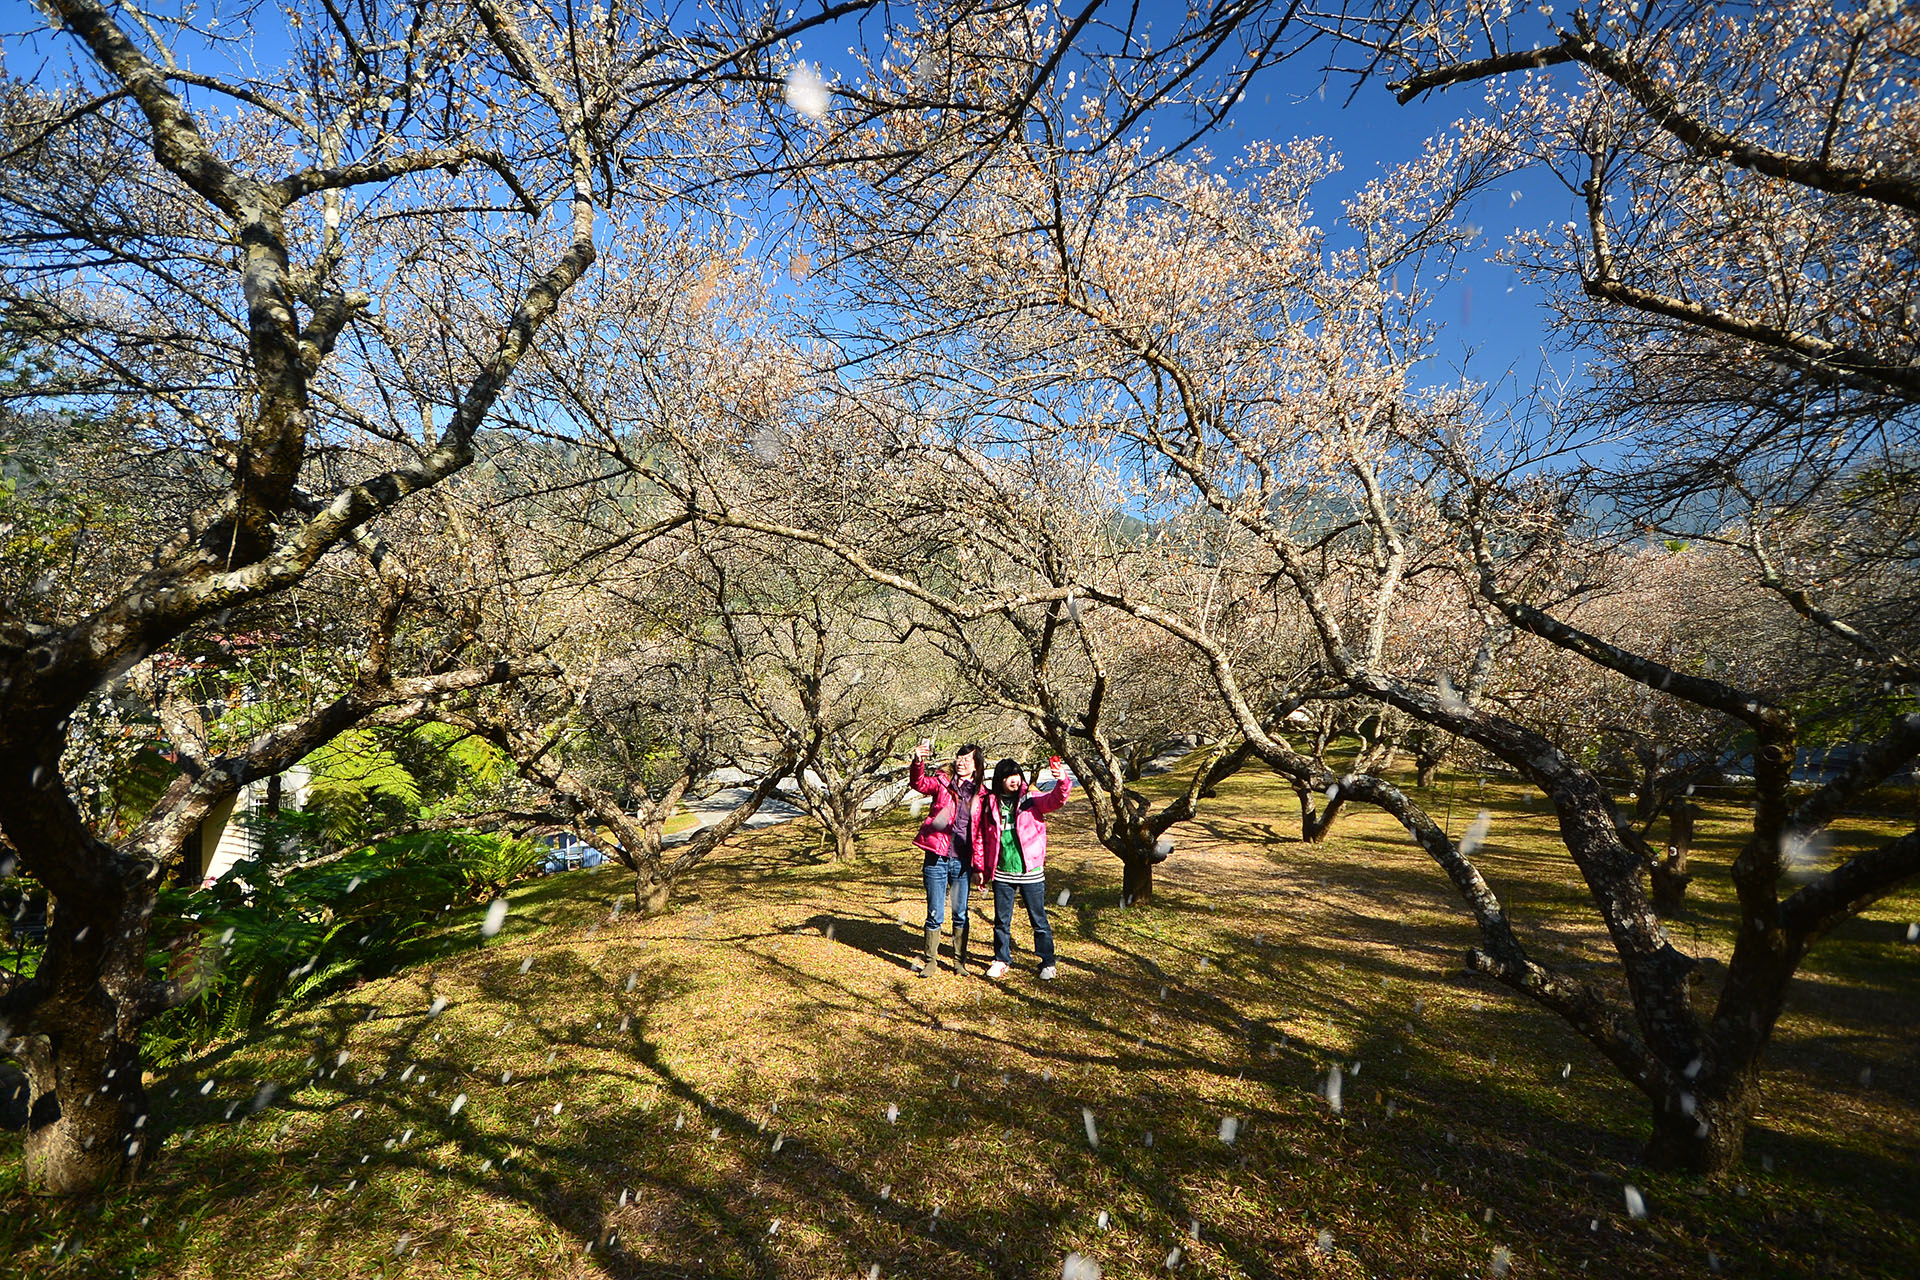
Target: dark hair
x=979 y=759
x=1004 y=770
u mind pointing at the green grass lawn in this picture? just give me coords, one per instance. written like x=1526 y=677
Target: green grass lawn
x=756 y=1085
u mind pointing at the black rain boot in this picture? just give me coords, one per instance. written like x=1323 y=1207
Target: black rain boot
x=931 y=964
x=960 y=950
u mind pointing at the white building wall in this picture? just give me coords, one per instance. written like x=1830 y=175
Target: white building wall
x=226 y=839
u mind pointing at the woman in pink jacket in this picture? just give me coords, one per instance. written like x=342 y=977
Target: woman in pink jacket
x=946 y=837
x=1010 y=852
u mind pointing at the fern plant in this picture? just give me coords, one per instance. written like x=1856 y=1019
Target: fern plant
x=264 y=940
x=268 y=937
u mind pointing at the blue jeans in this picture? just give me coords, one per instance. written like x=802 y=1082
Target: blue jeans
x=938 y=873
x=1035 y=896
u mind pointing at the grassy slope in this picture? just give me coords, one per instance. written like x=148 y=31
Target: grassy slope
x=708 y=1092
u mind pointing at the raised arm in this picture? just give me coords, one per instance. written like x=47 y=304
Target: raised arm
x=1047 y=801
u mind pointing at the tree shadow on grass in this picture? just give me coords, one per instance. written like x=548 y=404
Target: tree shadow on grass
x=884 y=940
x=1231 y=999
x=636 y=1193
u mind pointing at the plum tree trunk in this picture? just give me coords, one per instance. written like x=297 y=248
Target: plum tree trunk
x=1316 y=823
x=1680 y=816
x=1136 y=878
x=651 y=892
x=80 y=1039
x=84 y=1096
x=1668 y=877
x=1701 y=1129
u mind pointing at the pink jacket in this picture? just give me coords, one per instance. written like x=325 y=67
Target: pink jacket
x=1029 y=828
x=936 y=830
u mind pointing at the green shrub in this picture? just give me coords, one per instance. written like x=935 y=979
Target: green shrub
x=264 y=940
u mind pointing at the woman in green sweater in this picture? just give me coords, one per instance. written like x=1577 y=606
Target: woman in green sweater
x=1010 y=853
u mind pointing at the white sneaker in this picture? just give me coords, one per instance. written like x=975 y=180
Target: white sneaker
x=996 y=970
x=1046 y=973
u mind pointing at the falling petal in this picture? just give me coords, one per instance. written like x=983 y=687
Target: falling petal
x=805 y=93
x=1093 y=1134
x=458 y=1103
x=1476 y=832
x=1636 y=1204
x=1230 y=1129
x=1502 y=1260
x=893 y=1114
x=1065 y=894
x=496 y=918
x=1324 y=1241
x=1802 y=852
x=1079 y=1267
x=1333 y=1090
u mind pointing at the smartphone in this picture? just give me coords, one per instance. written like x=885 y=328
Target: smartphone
x=1059 y=770
x=926 y=746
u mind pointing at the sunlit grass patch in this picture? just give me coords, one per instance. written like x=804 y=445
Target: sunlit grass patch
x=756 y=1084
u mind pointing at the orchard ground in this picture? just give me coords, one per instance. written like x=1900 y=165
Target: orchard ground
x=755 y=1084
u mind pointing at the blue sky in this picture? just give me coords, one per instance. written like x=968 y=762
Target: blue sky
x=1492 y=316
